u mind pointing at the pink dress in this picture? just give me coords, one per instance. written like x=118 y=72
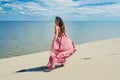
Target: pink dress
x=61 y=49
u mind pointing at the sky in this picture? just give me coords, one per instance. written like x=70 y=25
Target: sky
x=69 y=10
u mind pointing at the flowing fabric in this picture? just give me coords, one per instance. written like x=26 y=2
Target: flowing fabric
x=62 y=48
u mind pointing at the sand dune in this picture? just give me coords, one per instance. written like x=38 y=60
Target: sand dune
x=99 y=60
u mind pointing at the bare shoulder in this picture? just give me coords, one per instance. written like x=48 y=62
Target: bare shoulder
x=57 y=28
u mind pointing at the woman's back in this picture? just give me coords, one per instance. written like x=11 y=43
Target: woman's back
x=59 y=32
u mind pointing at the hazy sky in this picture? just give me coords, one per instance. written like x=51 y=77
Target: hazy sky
x=69 y=10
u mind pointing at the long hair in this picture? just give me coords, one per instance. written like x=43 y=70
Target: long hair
x=61 y=25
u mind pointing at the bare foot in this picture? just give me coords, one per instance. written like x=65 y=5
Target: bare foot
x=62 y=65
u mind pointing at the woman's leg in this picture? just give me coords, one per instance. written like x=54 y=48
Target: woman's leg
x=52 y=62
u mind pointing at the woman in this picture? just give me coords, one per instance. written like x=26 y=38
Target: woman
x=62 y=46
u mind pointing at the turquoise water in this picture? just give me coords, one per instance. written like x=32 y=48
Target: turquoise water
x=19 y=38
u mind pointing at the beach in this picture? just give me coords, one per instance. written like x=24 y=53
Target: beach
x=97 y=60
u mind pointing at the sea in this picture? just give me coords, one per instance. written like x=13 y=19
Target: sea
x=29 y=37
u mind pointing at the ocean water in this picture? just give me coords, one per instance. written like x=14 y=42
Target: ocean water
x=20 y=38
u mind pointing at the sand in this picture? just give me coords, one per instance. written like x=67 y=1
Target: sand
x=99 y=60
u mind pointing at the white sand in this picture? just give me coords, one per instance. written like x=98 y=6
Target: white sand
x=98 y=60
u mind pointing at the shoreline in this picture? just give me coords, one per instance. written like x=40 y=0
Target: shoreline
x=92 y=61
x=48 y=50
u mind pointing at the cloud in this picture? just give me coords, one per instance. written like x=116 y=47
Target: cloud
x=32 y=6
x=68 y=9
x=4 y=0
x=13 y=6
x=107 y=12
x=98 y=4
x=1 y=8
x=22 y=12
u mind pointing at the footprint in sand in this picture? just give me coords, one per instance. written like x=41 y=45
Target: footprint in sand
x=86 y=58
x=113 y=54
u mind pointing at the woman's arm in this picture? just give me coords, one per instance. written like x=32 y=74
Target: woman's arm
x=56 y=33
